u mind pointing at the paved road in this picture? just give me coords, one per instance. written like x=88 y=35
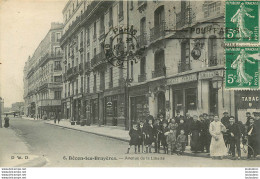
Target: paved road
x=60 y=145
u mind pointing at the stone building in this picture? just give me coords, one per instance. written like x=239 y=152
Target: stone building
x=42 y=76
x=181 y=67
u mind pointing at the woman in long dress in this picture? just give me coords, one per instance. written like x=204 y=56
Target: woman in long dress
x=217 y=145
x=239 y=19
x=239 y=64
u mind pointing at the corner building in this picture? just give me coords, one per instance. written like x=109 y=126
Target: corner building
x=182 y=67
x=43 y=76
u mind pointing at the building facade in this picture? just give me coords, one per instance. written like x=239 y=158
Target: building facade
x=43 y=76
x=180 y=69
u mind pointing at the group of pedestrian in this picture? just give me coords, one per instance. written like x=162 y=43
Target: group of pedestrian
x=205 y=133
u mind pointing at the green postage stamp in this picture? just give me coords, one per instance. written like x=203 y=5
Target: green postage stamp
x=242 y=69
x=242 y=21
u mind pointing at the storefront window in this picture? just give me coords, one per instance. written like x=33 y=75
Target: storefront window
x=191 y=102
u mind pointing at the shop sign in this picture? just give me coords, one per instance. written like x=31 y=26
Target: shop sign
x=182 y=79
x=210 y=74
x=109 y=104
x=248 y=99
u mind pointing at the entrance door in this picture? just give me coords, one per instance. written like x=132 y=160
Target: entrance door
x=161 y=103
x=94 y=111
x=114 y=105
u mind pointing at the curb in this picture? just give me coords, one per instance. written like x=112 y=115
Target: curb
x=37 y=162
x=124 y=140
x=103 y=135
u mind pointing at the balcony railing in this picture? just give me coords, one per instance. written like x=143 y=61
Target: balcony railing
x=69 y=71
x=142 y=77
x=142 y=39
x=213 y=61
x=185 y=17
x=87 y=66
x=141 y=6
x=182 y=67
x=157 y=32
x=158 y=73
x=98 y=59
x=80 y=67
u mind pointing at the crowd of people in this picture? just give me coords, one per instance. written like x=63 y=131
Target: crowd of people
x=204 y=133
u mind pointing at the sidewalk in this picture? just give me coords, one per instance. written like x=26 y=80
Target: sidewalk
x=112 y=132
x=15 y=153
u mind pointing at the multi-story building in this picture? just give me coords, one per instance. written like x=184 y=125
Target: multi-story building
x=181 y=67
x=42 y=76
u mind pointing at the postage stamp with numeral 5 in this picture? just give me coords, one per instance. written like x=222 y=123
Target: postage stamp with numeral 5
x=242 y=21
x=242 y=69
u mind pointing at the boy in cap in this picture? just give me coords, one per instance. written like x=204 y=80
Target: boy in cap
x=135 y=136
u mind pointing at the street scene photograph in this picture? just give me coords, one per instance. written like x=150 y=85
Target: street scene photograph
x=121 y=83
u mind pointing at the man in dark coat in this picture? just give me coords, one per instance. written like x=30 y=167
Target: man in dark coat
x=195 y=130
x=178 y=117
x=6 y=125
x=251 y=133
x=142 y=129
x=248 y=117
x=205 y=135
x=225 y=122
x=234 y=136
x=149 y=135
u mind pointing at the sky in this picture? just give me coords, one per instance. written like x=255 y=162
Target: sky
x=23 y=24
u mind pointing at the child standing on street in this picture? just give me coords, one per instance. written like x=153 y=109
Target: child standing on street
x=181 y=142
x=171 y=141
x=135 y=136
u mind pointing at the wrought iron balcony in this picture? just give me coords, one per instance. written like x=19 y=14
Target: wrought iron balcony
x=98 y=59
x=213 y=61
x=157 y=32
x=141 y=5
x=185 y=18
x=87 y=66
x=182 y=67
x=142 y=41
x=142 y=77
x=158 y=73
x=80 y=67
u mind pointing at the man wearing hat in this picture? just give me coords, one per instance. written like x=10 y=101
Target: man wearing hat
x=234 y=136
x=225 y=122
x=248 y=117
x=211 y=117
x=225 y=119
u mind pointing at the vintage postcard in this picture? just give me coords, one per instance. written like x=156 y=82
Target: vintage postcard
x=97 y=83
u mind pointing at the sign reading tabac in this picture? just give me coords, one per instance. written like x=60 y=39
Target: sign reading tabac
x=182 y=79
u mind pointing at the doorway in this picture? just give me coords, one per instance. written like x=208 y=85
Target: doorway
x=161 y=103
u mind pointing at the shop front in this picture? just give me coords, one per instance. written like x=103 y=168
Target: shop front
x=139 y=103
x=184 y=94
x=246 y=101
